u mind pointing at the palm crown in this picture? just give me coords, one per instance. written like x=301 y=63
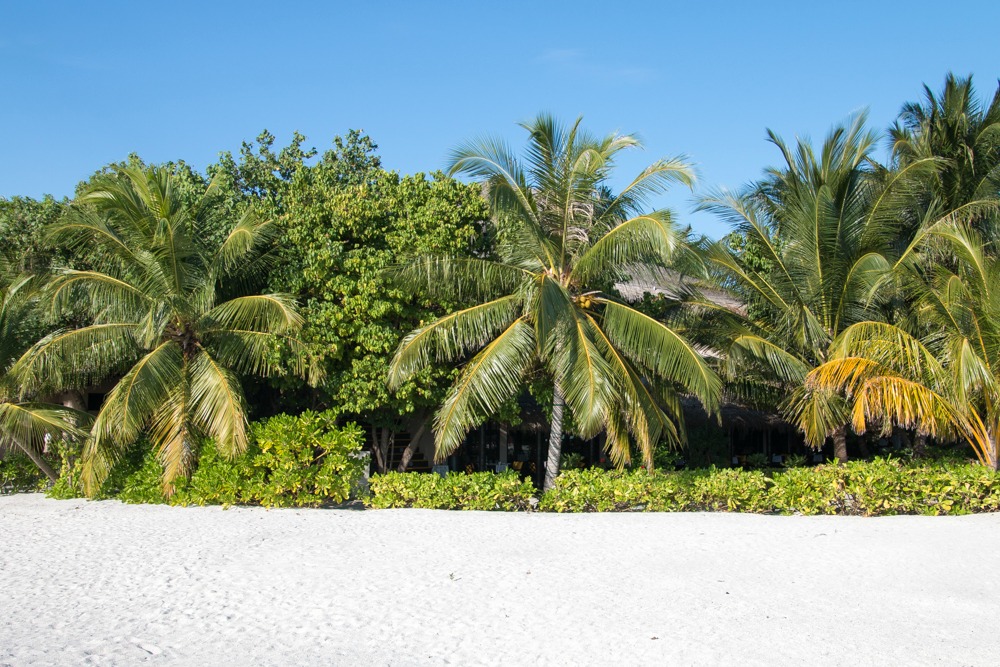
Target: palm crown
x=543 y=301
x=963 y=135
x=939 y=376
x=170 y=317
x=819 y=225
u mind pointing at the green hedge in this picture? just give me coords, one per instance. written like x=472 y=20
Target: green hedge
x=455 y=491
x=878 y=487
x=304 y=460
x=18 y=474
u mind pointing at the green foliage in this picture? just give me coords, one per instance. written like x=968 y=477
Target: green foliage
x=142 y=485
x=19 y=474
x=757 y=461
x=541 y=300
x=219 y=480
x=293 y=461
x=22 y=224
x=727 y=490
x=875 y=488
x=571 y=461
x=307 y=459
x=885 y=486
x=795 y=461
x=344 y=223
x=478 y=491
x=666 y=457
x=171 y=316
x=596 y=490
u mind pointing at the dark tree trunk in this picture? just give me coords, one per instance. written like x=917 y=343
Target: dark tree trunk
x=555 y=440
x=920 y=446
x=840 y=444
x=411 y=446
x=37 y=459
x=380 y=448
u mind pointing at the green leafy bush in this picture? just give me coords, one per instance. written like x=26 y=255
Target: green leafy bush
x=19 y=474
x=292 y=461
x=878 y=487
x=456 y=491
x=220 y=481
x=727 y=490
x=306 y=460
x=596 y=490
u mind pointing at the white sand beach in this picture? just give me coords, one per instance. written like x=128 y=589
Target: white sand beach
x=101 y=583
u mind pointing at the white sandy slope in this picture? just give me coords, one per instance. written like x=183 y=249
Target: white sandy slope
x=101 y=583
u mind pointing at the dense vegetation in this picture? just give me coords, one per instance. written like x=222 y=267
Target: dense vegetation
x=852 y=298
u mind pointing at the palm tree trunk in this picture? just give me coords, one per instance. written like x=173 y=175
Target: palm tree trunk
x=37 y=459
x=411 y=446
x=555 y=439
x=920 y=446
x=840 y=444
x=994 y=461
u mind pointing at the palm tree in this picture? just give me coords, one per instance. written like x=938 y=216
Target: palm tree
x=963 y=135
x=25 y=425
x=817 y=238
x=174 y=319
x=544 y=301
x=945 y=380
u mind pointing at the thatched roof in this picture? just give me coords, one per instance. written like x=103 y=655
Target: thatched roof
x=658 y=281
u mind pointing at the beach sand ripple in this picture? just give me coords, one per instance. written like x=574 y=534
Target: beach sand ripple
x=102 y=583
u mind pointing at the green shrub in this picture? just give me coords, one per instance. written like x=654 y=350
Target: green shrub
x=144 y=484
x=878 y=487
x=220 y=481
x=596 y=490
x=478 y=491
x=292 y=461
x=666 y=457
x=19 y=474
x=757 y=461
x=572 y=461
x=728 y=490
x=795 y=461
x=306 y=460
x=816 y=490
x=134 y=462
x=714 y=489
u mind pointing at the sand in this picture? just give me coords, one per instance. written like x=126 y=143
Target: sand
x=101 y=583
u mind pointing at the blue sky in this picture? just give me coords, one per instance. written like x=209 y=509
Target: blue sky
x=87 y=83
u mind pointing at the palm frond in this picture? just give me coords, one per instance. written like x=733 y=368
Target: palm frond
x=654 y=346
x=218 y=407
x=271 y=313
x=129 y=408
x=451 y=337
x=647 y=238
x=28 y=424
x=489 y=380
x=459 y=278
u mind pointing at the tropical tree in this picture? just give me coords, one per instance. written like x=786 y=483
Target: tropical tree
x=544 y=302
x=940 y=372
x=25 y=425
x=341 y=232
x=172 y=318
x=816 y=238
x=962 y=133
